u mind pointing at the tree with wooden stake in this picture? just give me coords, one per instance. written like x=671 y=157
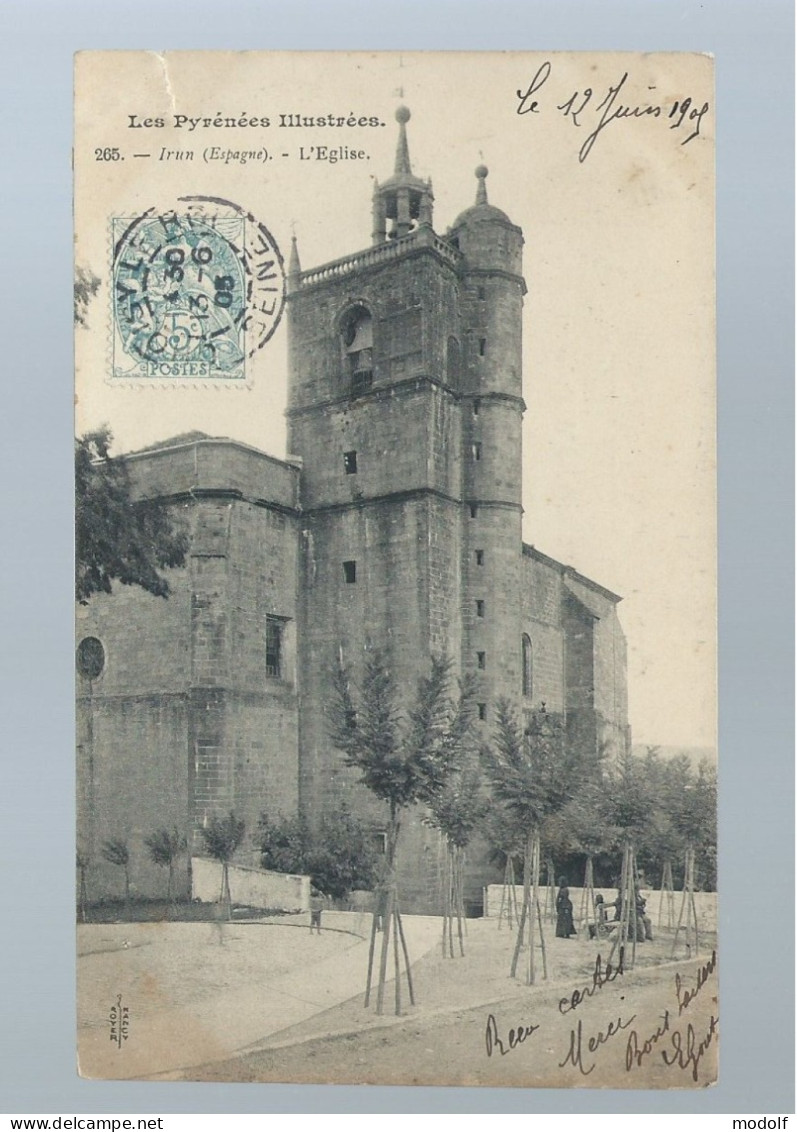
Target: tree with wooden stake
x=529 y=778
x=694 y=815
x=628 y=801
x=165 y=847
x=687 y=916
x=222 y=837
x=550 y=892
x=117 y=853
x=404 y=759
x=667 y=893
x=628 y=926
x=506 y=841
x=509 y=904
x=456 y=811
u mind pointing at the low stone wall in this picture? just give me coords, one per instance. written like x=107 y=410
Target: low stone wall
x=256 y=888
x=705 y=903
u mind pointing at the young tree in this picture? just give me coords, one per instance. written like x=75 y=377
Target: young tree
x=530 y=780
x=457 y=811
x=164 y=848
x=404 y=760
x=117 y=538
x=116 y=852
x=222 y=837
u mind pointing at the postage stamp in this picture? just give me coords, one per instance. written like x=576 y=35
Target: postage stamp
x=197 y=289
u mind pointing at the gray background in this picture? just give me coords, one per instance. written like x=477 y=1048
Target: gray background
x=753 y=45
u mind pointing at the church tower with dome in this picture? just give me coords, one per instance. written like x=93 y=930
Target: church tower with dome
x=394 y=525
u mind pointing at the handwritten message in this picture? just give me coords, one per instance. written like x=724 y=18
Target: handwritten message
x=597 y=108
x=644 y=1026
x=681 y=1049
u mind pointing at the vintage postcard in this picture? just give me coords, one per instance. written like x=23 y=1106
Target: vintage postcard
x=396 y=628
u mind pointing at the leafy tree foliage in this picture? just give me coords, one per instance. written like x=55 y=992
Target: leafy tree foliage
x=528 y=772
x=337 y=855
x=459 y=808
x=222 y=837
x=86 y=286
x=165 y=847
x=116 y=852
x=117 y=538
x=402 y=760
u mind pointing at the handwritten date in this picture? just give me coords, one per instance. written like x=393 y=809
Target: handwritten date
x=584 y=107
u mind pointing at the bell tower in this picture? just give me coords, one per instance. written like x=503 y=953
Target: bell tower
x=405 y=408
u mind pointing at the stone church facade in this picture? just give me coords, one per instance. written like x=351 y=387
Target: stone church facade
x=396 y=524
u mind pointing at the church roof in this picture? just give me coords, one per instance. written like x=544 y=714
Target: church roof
x=581 y=588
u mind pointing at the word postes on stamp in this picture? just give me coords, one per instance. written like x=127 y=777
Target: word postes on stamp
x=197 y=290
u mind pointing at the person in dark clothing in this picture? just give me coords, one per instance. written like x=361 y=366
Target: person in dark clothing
x=564 y=911
x=644 y=923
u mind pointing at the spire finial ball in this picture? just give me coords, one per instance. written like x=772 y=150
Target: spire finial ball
x=402 y=114
x=481 y=171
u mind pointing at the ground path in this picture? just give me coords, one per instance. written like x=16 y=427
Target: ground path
x=275 y=1004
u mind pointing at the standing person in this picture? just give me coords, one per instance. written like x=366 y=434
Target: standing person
x=564 y=911
x=316 y=908
x=644 y=923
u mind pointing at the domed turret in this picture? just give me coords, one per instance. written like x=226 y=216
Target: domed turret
x=482 y=209
x=403 y=198
x=485 y=234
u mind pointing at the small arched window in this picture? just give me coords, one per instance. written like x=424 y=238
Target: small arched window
x=357 y=337
x=528 y=663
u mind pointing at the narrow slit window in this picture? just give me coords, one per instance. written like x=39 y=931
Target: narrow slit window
x=350 y=572
x=480 y=608
x=482 y=294
x=473 y=510
x=481 y=660
x=527 y=665
x=476 y=406
x=479 y=557
x=482 y=347
x=350 y=463
x=482 y=712
x=477 y=451
x=274 y=628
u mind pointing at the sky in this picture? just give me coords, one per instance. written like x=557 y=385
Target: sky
x=618 y=321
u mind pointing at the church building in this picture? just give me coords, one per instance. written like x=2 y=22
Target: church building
x=394 y=523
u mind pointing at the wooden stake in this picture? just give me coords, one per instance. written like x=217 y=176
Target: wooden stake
x=396 y=967
x=667 y=897
x=459 y=897
x=372 y=948
x=587 y=913
x=688 y=905
x=386 y=922
x=521 y=929
x=531 y=901
x=410 y=987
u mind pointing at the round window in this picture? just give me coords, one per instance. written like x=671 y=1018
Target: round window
x=90 y=658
